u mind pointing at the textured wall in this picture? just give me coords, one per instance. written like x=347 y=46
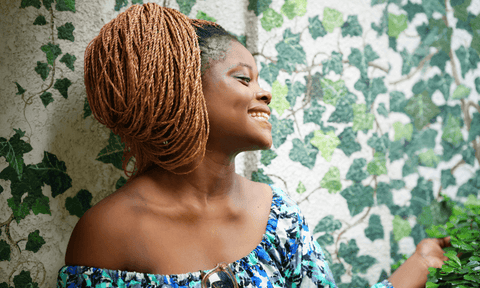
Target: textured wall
x=375 y=113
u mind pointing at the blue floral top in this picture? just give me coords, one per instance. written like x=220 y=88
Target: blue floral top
x=287 y=256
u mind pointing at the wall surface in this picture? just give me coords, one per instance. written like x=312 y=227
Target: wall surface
x=375 y=113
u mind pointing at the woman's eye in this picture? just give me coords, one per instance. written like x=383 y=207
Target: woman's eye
x=246 y=79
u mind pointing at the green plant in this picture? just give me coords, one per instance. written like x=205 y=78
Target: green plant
x=462 y=269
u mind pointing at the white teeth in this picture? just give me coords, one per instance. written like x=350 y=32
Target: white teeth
x=260 y=115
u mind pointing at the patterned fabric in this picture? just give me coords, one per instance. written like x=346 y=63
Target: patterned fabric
x=287 y=256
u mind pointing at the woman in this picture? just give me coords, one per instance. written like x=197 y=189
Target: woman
x=185 y=107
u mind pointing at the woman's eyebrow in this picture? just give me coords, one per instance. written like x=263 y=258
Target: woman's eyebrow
x=241 y=64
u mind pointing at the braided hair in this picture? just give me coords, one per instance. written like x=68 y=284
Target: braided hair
x=143 y=81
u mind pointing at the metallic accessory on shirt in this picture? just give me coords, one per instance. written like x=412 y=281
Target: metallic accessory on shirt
x=219 y=277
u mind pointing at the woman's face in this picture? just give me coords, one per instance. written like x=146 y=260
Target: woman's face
x=237 y=106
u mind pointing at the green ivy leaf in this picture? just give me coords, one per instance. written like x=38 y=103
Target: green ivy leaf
x=28 y=3
x=396 y=24
x=62 y=86
x=428 y=158
x=384 y=194
x=361 y=60
x=292 y=8
x=301 y=188
x=468 y=155
x=361 y=119
x=401 y=228
x=380 y=144
x=358 y=197
x=46 y=98
x=325 y=142
x=471 y=187
x=357 y=172
x=358 y=281
x=359 y=263
x=20 y=89
x=410 y=166
x=402 y=131
x=422 y=195
x=280 y=130
x=477 y=84
x=53 y=172
x=279 y=102
x=267 y=156
x=441 y=83
x=313 y=113
x=447 y=179
x=452 y=133
x=375 y=228
x=35 y=241
x=52 y=52
x=13 y=151
x=331 y=19
x=450 y=150
x=186 y=6
x=422 y=109
x=437 y=213
x=333 y=64
x=409 y=61
x=66 y=5
x=304 y=152
x=258 y=6
x=461 y=92
x=66 y=31
x=5 y=251
x=338 y=270
x=269 y=72
x=343 y=110
x=418 y=233
x=294 y=91
x=328 y=225
x=440 y=59
x=259 y=176
x=379 y=164
x=348 y=143
x=382 y=110
x=120 y=182
x=119 y=4
x=203 y=16
x=40 y=20
x=79 y=204
x=325 y=240
x=42 y=69
x=430 y=6
x=48 y=4
x=332 y=91
x=316 y=28
x=331 y=180
x=271 y=19
x=68 y=60
x=41 y=205
x=412 y=9
x=113 y=153
x=396 y=150
x=290 y=52
x=397 y=101
x=468 y=59
x=351 y=27
x=24 y=280
x=474 y=127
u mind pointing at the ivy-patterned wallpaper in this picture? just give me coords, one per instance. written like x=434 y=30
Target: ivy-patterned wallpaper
x=375 y=115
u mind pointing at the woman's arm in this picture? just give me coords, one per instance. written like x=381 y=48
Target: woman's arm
x=413 y=273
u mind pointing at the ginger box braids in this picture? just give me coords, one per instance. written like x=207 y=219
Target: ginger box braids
x=143 y=81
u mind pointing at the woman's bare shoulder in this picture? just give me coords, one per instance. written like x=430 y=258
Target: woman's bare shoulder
x=101 y=235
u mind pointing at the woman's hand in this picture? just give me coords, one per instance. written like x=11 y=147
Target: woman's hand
x=431 y=251
x=414 y=272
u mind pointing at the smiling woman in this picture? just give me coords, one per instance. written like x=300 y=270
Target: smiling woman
x=184 y=96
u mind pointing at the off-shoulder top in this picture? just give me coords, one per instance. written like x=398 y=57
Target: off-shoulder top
x=287 y=256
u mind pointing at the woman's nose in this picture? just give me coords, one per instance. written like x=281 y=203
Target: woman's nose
x=264 y=95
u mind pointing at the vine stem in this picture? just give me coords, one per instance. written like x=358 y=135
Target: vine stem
x=420 y=66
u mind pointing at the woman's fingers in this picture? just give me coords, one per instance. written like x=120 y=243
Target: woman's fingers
x=444 y=242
